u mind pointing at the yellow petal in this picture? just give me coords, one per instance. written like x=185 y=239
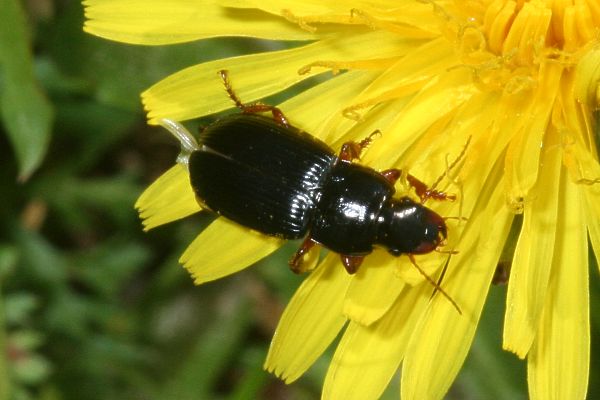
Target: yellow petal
x=579 y=103
x=198 y=90
x=311 y=13
x=224 y=248
x=445 y=138
x=305 y=7
x=373 y=290
x=441 y=340
x=586 y=86
x=429 y=263
x=592 y=216
x=318 y=107
x=434 y=101
x=156 y=22
x=367 y=357
x=169 y=198
x=312 y=319
x=533 y=255
x=558 y=363
x=408 y=75
x=523 y=155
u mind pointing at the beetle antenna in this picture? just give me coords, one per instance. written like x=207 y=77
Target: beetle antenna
x=434 y=283
x=452 y=165
x=188 y=143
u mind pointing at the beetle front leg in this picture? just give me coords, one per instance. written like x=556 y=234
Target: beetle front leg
x=425 y=192
x=252 y=108
x=352 y=150
x=421 y=189
x=297 y=259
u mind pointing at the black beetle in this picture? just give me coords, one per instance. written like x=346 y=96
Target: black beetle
x=267 y=175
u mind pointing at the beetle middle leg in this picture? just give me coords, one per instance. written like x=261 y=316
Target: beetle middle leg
x=252 y=108
x=296 y=261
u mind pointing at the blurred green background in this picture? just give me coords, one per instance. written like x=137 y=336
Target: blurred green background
x=93 y=308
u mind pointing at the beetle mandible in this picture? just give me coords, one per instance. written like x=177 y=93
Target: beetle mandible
x=267 y=175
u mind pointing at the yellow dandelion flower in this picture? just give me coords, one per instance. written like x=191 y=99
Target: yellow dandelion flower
x=519 y=80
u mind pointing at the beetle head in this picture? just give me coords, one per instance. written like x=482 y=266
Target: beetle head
x=408 y=227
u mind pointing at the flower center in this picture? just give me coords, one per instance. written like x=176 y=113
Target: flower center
x=523 y=25
x=505 y=41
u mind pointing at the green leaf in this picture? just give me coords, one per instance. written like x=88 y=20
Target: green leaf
x=8 y=259
x=209 y=358
x=32 y=369
x=5 y=384
x=19 y=306
x=108 y=266
x=26 y=113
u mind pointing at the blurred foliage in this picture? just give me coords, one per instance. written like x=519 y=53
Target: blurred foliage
x=93 y=308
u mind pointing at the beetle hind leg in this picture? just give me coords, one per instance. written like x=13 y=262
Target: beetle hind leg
x=297 y=260
x=252 y=108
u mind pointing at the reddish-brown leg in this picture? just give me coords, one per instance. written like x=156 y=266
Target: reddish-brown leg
x=392 y=175
x=352 y=150
x=351 y=263
x=423 y=191
x=296 y=261
x=252 y=108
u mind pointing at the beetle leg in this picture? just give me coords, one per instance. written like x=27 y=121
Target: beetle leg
x=252 y=108
x=278 y=115
x=425 y=192
x=351 y=263
x=352 y=150
x=392 y=175
x=296 y=261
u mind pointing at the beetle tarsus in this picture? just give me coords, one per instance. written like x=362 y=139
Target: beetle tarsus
x=252 y=108
x=421 y=189
x=425 y=192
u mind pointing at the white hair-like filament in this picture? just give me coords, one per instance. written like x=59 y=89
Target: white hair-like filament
x=188 y=143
